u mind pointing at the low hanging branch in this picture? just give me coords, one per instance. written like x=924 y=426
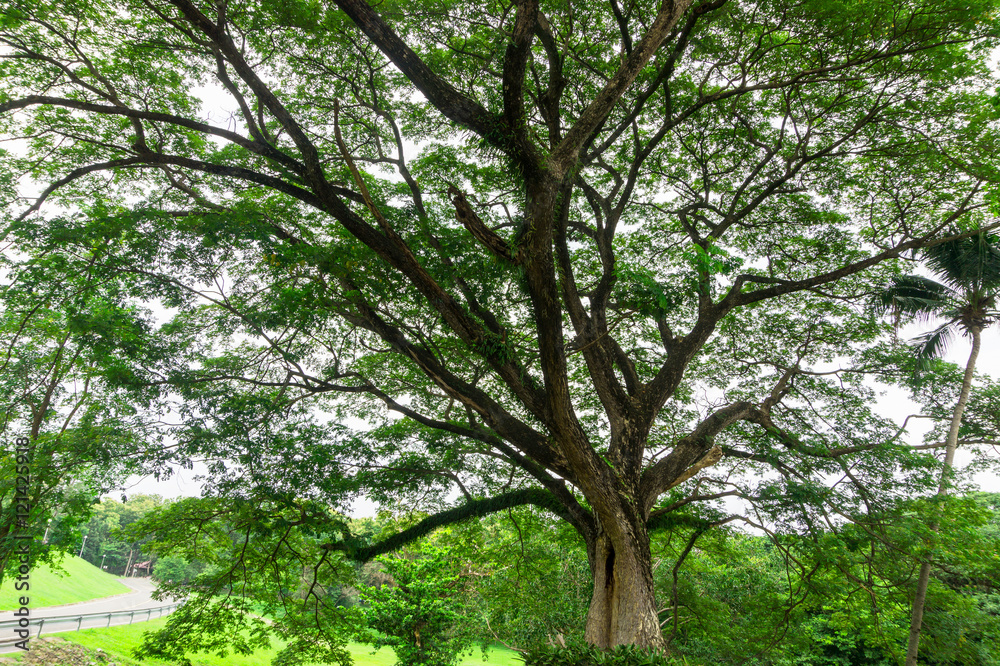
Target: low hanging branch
x=360 y=552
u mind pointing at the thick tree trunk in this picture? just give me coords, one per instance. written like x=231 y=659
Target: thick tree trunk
x=623 y=607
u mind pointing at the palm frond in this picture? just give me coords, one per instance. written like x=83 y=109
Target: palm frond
x=913 y=295
x=970 y=270
x=933 y=344
x=969 y=264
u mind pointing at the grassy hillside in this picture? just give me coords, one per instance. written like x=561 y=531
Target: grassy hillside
x=118 y=642
x=78 y=581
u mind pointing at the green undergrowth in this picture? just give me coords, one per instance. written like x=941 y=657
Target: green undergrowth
x=77 y=581
x=585 y=655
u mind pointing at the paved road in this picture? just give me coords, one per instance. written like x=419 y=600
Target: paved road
x=134 y=604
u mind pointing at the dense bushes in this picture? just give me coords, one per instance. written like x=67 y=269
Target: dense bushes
x=585 y=655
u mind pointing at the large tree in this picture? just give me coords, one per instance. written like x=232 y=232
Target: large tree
x=586 y=249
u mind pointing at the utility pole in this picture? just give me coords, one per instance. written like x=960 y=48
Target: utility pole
x=129 y=564
x=82 y=545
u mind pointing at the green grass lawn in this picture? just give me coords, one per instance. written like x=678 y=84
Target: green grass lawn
x=79 y=581
x=121 y=641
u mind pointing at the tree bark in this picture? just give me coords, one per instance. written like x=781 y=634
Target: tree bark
x=923 y=579
x=623 y=607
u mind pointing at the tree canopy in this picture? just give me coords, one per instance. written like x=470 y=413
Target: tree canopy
x=607 y=259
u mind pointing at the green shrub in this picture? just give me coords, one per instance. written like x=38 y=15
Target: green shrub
x=418 y=613
x=586 y=655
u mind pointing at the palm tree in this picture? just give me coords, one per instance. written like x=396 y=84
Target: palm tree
x=966 y=297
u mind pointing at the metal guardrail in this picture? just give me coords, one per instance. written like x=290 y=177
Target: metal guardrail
x=11 y=625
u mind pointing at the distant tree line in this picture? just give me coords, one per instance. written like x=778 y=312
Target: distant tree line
x=101 y=539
